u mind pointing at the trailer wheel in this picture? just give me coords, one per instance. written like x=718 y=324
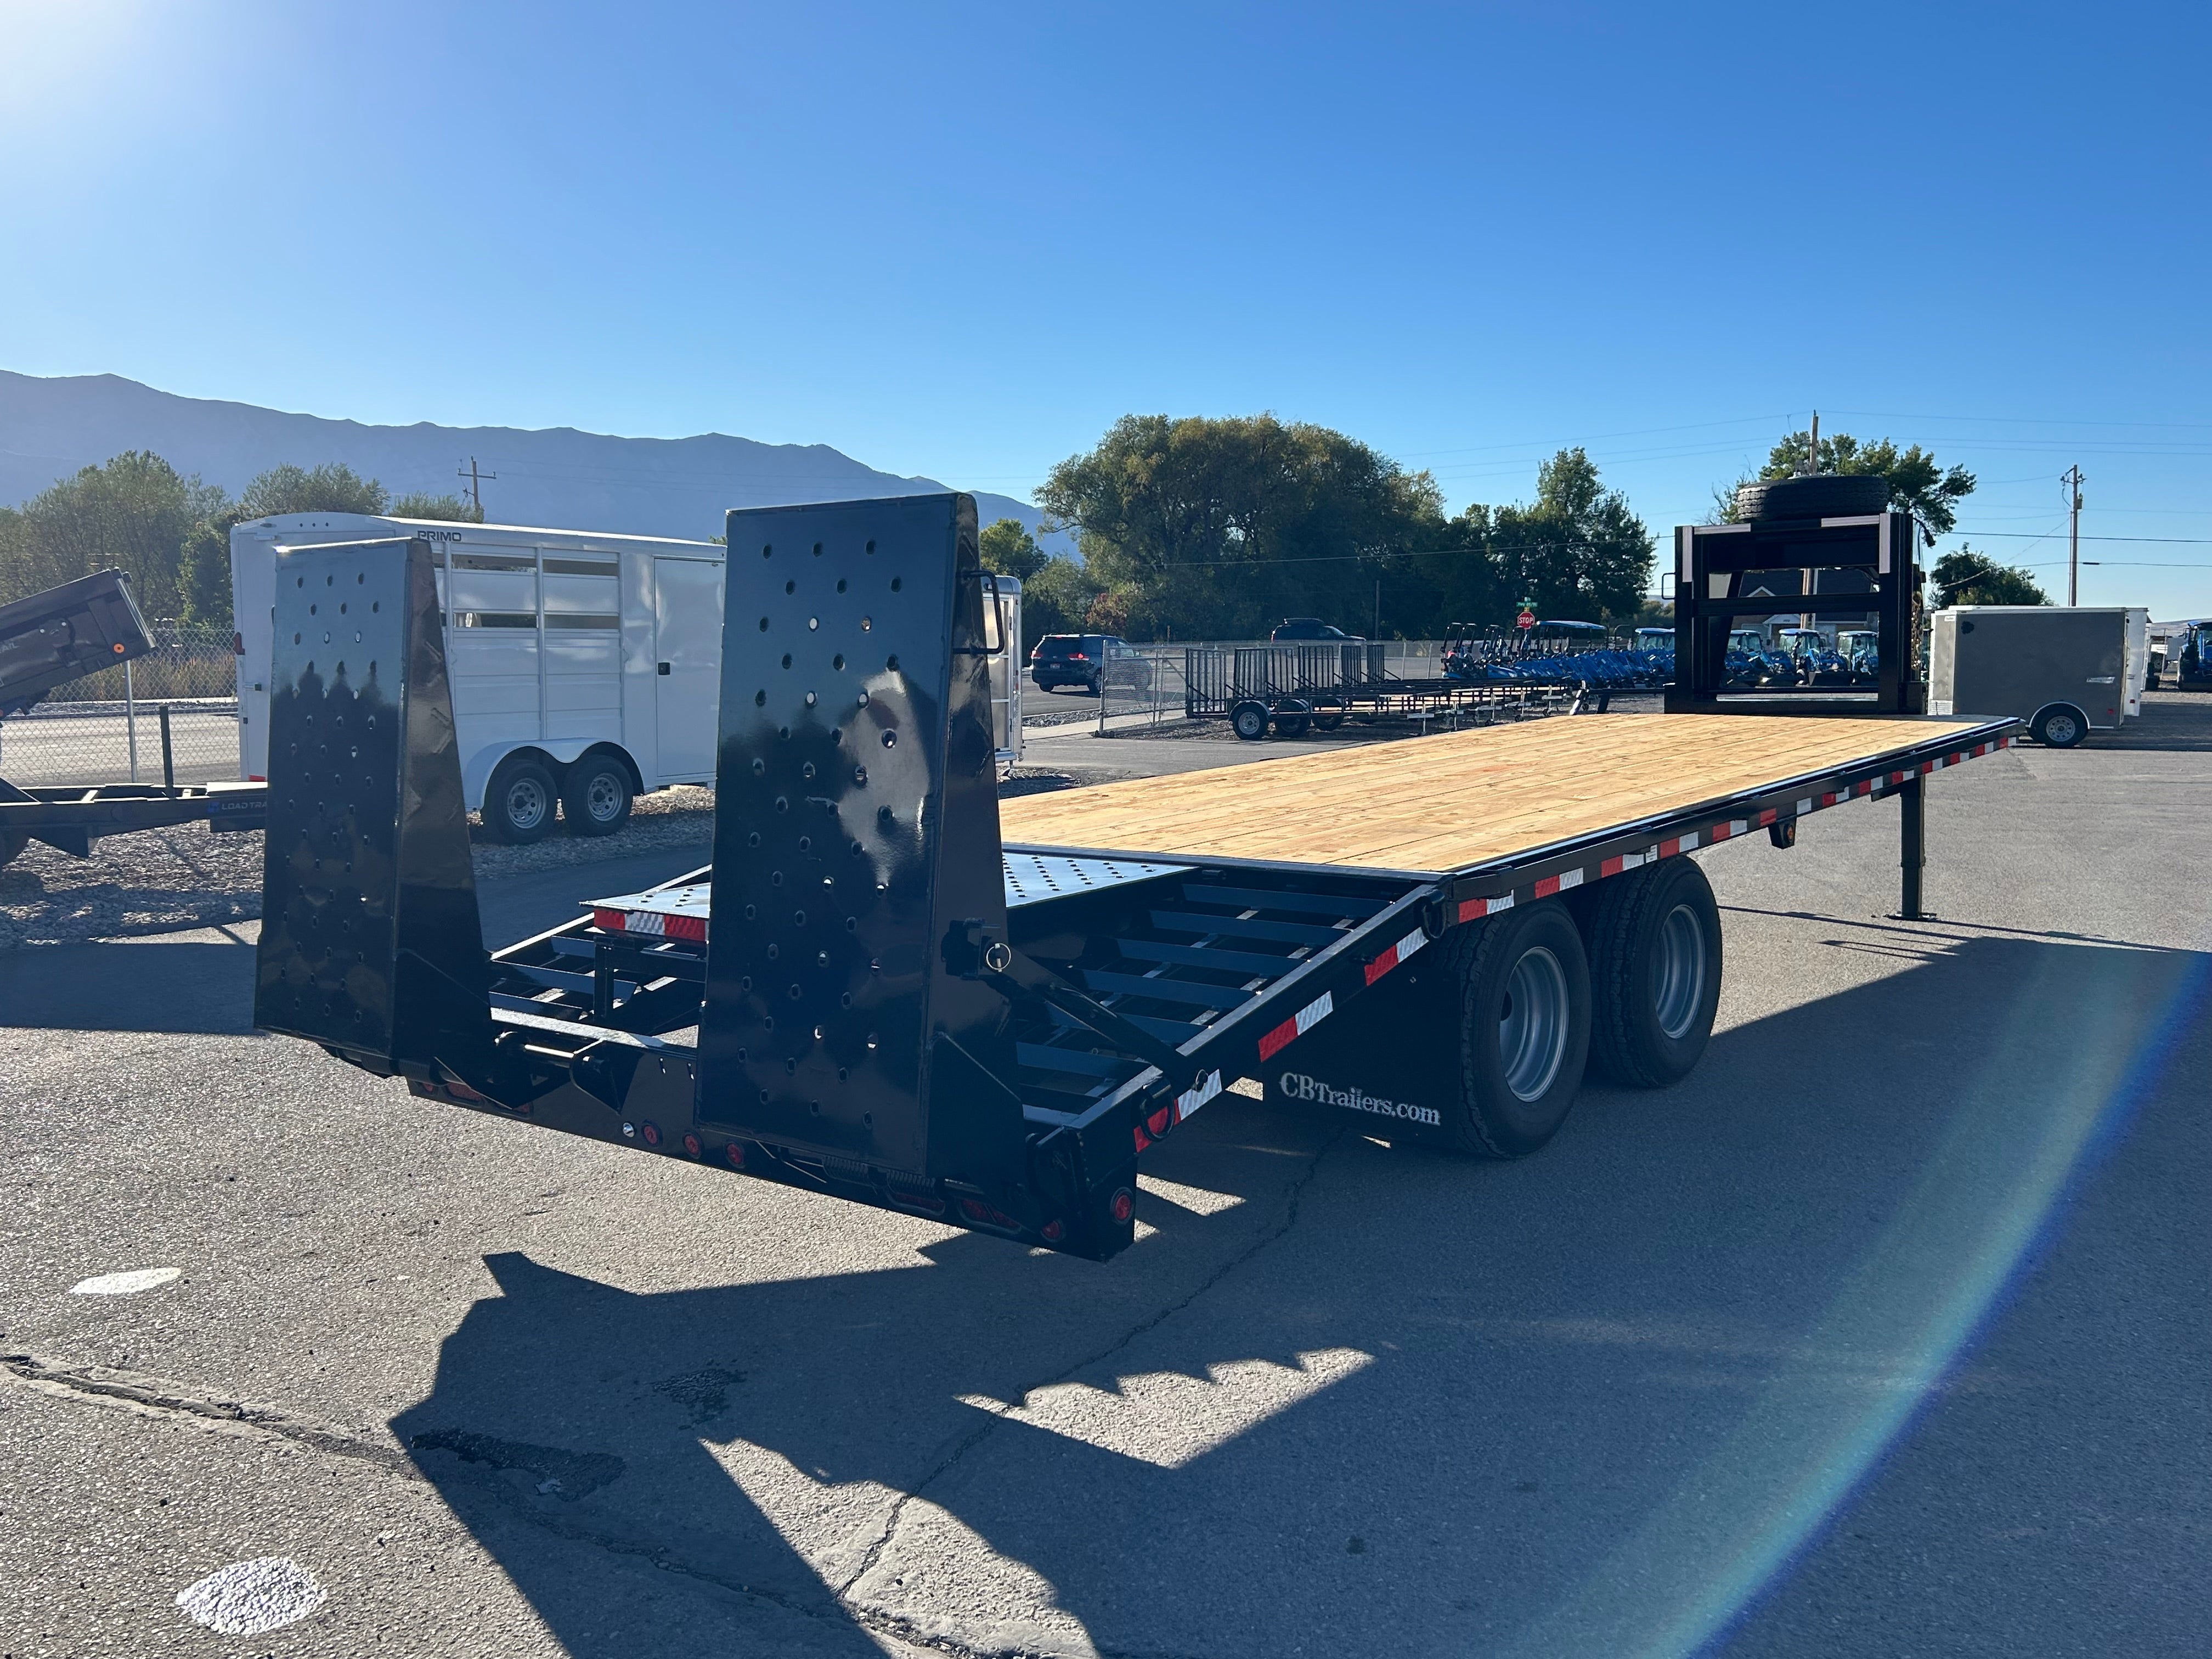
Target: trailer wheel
x=1524 y=1030
x=519 y=801
x=1292 y=716
x=2060 y=726
x=1250 y=720
x=1329 y=712
x=1655 y=955
x=595 y=795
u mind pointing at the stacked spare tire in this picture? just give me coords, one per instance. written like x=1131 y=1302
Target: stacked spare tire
x=1815 y=495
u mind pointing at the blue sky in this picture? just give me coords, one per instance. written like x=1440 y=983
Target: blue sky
x=961 y=240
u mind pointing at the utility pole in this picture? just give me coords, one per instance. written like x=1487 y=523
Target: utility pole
x=476 y=483
x=1812 y=461
x=2072 y=479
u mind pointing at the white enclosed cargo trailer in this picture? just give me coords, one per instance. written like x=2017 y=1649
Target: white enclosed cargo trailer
x=586 y=666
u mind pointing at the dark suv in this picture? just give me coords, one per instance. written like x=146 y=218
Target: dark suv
x=1308 y=628
x=1090 y=661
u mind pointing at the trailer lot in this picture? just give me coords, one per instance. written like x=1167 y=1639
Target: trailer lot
x=1882 y=1333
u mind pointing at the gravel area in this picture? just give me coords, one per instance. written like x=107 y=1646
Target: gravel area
x=157 y=881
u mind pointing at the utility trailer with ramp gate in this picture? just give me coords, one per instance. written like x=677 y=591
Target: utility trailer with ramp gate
x=889 y=986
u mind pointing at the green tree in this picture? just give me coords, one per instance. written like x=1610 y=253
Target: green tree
x=1221 y=526
x=446 y=509
x=1918 y=484
x=1970 y=578
x=1059 y=599
x=1578 y=553
x=333 y=487
x=134 y=513
x=1008 y=549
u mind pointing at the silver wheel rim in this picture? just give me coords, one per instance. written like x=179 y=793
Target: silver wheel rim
x=525 y=802
x=1677 y=971
x=2060 y=729
x=604 y=797
x=1532 y=1030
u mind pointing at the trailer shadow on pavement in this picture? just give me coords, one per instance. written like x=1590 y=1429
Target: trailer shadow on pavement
x=1349 y=1397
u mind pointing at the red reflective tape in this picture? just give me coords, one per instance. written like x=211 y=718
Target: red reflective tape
x=1143 y=1139
x=1611 y=867
x=1766 y=818
x=1547 y=887
x=1475 y=910
x=1382 y=964
x=610 y=919
x=1274 y=1042
x=693 y=927
x=1160 y=1121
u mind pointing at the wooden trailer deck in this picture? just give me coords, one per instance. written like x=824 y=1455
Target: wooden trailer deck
x=1437 y=805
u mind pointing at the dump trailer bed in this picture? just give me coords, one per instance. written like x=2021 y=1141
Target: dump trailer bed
x=50 y=639
x=891 y=989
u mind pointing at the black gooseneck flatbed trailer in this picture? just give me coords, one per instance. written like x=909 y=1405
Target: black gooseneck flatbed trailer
x=878 y=992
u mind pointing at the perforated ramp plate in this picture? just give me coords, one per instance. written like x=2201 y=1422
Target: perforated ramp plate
x=856 y=845
x=1031 y=878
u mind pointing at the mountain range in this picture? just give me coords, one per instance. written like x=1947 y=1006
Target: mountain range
x=557 y=476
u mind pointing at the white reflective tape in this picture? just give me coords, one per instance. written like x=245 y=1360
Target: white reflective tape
x=645 y=921
x=1503 y=902
x=1413 y=942
x=1569 y=878
x=1316 y=1012
x=1191 y=1099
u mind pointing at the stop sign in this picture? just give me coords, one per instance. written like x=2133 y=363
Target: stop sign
x=1526 y=619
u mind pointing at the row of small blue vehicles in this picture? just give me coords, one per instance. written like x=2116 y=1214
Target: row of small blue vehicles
x=1584 y=654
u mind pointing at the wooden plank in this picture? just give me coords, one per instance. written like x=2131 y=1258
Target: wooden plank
x=1436 y=803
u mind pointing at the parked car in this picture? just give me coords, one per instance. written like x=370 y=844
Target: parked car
x=1092 y=661
x=1307 y=627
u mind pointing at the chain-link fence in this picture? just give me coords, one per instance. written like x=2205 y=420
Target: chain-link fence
x=168 y=717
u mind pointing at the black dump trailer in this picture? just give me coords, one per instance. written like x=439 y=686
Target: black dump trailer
x=892 y=989
x=62 y=634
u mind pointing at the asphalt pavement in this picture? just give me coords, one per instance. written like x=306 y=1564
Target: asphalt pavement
x=1884 y=1332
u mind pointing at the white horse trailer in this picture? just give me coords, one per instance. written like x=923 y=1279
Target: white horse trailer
x=586 y=667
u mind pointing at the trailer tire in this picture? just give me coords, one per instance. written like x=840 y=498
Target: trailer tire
x=1654 y=953
x=595 y=795
x=1524 y=1029
x=1292 y=716
x=2059 y=725
x=1820 y=495
x=1329 y=712
x=519 y=801
x=1249 y=719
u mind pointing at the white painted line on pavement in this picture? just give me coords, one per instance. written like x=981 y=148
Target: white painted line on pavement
x=129 y=1284
x=249 y=1597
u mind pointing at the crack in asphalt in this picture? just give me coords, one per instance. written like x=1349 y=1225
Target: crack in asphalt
x=155 y=1397
x=992 y=1421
